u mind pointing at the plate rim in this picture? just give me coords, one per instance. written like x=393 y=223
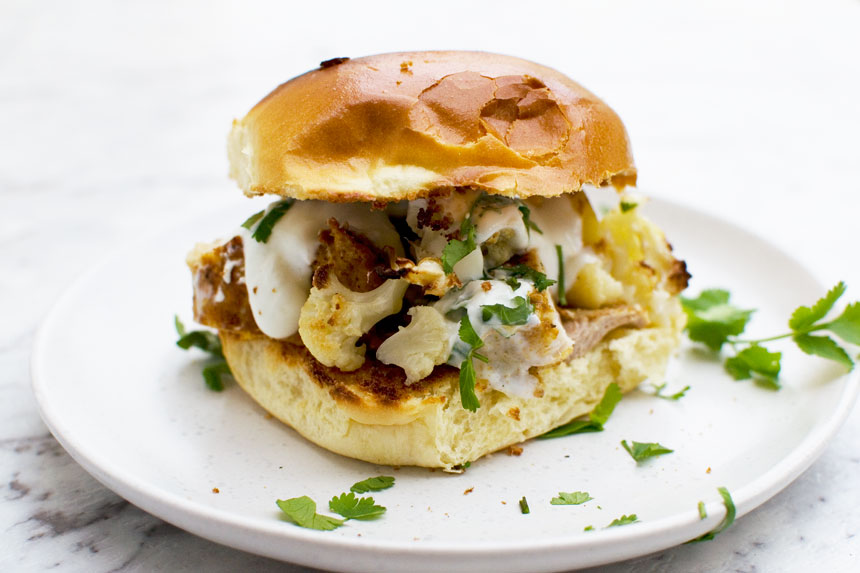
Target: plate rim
x=185 y=513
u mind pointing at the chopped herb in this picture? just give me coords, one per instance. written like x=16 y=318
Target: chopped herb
x=378 y=483
x=754 y=359
x=208 y=342
x=658 y=392
x=212 y=375
x=727 y=520
x=702 y=513
x=588 y=528
x=538 y=278
x=624 y=520
x=249 y=222
x=457 y=249
x=626 y=206
x=303 y=512
x=264 y=228
x=640 y=451
x=562 y=296
x=712 y=320
x=530 y=225
x=202 y=339
x=573 y=498
x=524 y=505
x=515 y=315
x=352 y=507
x=596 y=419
x=467 y=333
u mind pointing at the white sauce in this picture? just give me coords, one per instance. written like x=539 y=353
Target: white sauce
x=561 y=225
x=278 y=272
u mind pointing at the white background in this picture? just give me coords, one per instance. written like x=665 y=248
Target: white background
x=113 y=121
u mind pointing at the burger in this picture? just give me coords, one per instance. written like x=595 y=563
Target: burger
x=435 y=278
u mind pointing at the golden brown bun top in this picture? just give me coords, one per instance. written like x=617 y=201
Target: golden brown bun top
x=397 y=126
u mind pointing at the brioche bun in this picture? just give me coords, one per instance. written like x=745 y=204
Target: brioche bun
x=350 y=414
x=398 y=126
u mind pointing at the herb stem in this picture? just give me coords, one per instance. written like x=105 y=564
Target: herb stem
x=562 y=296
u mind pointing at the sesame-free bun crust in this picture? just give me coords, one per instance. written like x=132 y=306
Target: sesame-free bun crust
x=370 y=415
x=398 y=126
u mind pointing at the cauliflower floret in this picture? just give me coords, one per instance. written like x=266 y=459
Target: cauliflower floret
x=334 y=317
x=421 y=345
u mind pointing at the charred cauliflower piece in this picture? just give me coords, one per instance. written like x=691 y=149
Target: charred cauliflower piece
x=333 y=318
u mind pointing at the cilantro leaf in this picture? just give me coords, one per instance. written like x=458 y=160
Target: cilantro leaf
x=202 y=339
x=596 y=419
x=562 y=293
x=627 y=206
x=624 y=520
x=825 y=347
x=572 y=498
x=754 y=359
x=212 y=375
x=467 y=333
x=525 y=271
x=711 y=320
x=377 y=483
x=530 y=225
x=658 y=392
x=249 y=222
x=524 y=506
x=725 y=523
x=468 y=398
x=352 y=507
x=606 y=406
x=303 y=512
x=456 y=249
x=515 y=315
x=804 y=317
x=847 y=325
x=643 y=450
x=264 y=228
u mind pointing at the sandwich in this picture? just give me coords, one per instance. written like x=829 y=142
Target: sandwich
x=453 y=261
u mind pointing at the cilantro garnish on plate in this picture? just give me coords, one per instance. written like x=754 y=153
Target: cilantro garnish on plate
x=208 y=342
x=596 y=419
x=714 y=321
x=640 y=451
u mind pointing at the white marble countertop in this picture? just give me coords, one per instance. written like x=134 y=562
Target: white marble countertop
x=113 y=119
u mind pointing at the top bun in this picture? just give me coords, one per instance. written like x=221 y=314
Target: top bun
x=398 y=126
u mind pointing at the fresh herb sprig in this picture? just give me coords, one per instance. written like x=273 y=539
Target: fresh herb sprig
x=641 y=451
x=457 y=249
x=265 y=220
x=715 y=322
x=539 y=279
x=467 y=369
x=729 y=518
x=303 y=510
x=208 y=342
x=507 y=315
x=596 y=419
x=527 y=221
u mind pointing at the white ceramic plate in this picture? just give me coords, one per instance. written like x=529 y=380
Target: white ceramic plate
x=132 y=409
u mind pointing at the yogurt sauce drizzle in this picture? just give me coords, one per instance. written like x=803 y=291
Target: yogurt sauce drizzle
x=278 y=272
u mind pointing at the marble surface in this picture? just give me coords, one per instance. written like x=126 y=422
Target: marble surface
x=113 y=119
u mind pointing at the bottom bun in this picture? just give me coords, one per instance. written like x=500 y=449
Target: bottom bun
x=371 y=415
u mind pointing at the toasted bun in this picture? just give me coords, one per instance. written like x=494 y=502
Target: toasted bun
x=397 y=126
x=366 y=415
